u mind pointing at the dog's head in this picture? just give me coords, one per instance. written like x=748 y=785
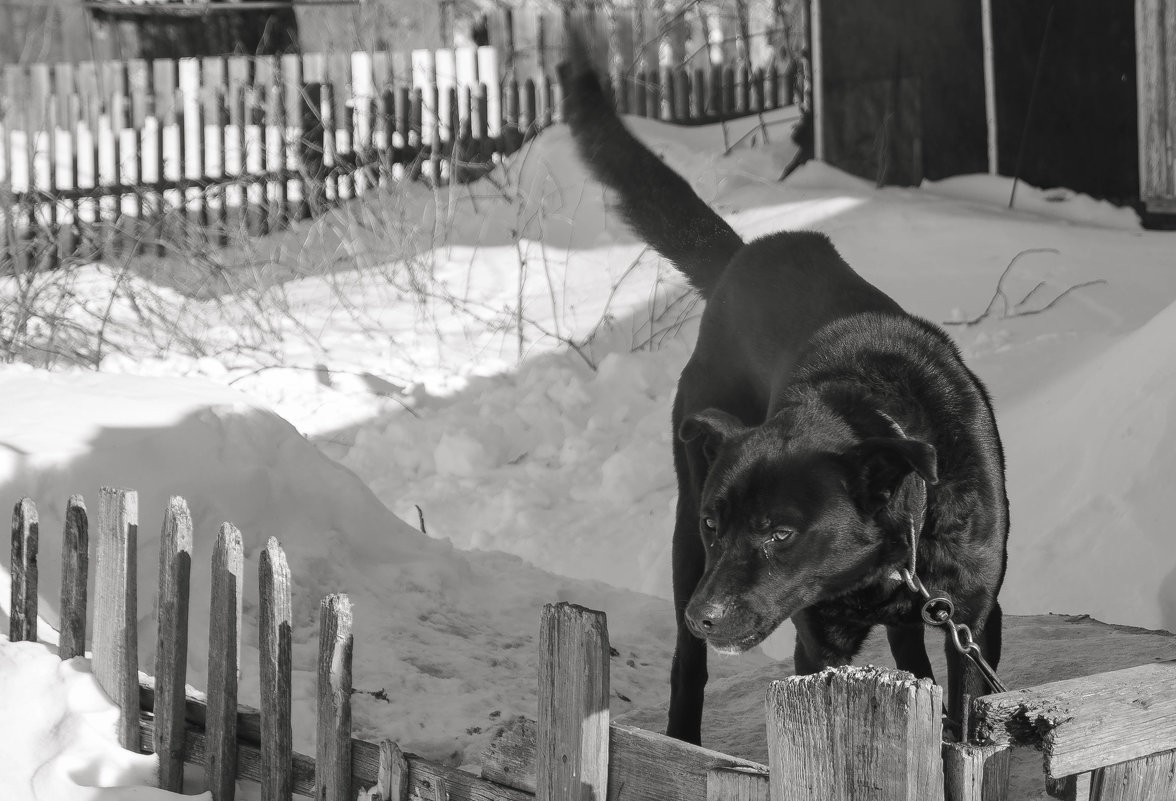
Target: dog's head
x=788 y=521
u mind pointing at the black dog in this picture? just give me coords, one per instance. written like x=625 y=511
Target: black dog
x=825 y=438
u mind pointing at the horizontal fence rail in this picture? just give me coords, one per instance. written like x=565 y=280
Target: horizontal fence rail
x=854 y=734
x=100 y=161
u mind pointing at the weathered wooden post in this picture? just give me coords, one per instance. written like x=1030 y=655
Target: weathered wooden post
x=75 y=569
x=171 y=653
x=23 y=615
x=976 y=772
x=573 y=732
x=333 y=746
x=855 y=734
x=224 y=648
x=116 y=639
x=277 y=733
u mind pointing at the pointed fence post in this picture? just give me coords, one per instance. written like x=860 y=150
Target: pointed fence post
x=277 y=733
x=333 y=746
x=75 y=570
x=23 y=615
x=171 y=653
x=855 y=734
x=572 y=760
x=116 y=639
x=224 y=648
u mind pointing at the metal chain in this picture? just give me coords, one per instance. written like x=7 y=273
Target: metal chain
x=938 y=611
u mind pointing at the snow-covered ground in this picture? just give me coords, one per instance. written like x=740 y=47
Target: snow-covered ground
x=504 y=357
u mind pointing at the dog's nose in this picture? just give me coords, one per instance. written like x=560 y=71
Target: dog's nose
x=710 y=614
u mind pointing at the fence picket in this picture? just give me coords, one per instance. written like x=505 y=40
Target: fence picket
x=23 y=611
x=171 y=652
x=975 y=772
x=572 y=761
x=277 y=734
x=333 y=749
x=116 y=642
x=75 y=570
x=224 y=648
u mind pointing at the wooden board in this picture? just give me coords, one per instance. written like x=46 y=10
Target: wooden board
x=1090 y=722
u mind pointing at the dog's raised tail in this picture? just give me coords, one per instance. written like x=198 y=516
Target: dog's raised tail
x=657 y=203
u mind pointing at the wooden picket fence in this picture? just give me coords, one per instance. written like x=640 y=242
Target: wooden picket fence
x=103 y=160
x=846 y=734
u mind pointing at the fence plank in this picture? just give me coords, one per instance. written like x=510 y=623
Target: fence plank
x=392 y=781
x=855 y=734
x=573 y=704
x=75 y=569
x=224 y=648
x=643 y=764
x=976 y=773
x=275 y=653
x=171 y=653
x=116 y=644
x=333 y=744
x=736 y=784
x=1152 y=777
x=1090 y=722
x=23 y=611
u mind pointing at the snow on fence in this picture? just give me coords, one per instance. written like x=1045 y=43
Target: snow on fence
x=846 y=734
x=100 y=160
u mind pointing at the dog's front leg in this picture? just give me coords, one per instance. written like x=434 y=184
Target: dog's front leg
x=822 y=642
x=909 y=650
x=688 y=673
x=963 y=677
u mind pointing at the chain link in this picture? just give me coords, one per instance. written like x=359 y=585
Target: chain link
x=938 y=610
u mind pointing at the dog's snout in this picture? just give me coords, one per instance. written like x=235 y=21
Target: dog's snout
x=708 y=615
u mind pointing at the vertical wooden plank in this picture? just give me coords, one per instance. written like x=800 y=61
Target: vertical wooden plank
x=1152 y=777
x=989 y=83
x=1069 y=788
x=424 y=79
x=171 y=652
x=736 y=784
x=277 y=780
x=116 y=643
x=333 y=744
x=75 y=569
x=224 y=648
x=816 y=34
x=855 y=734
x=489 y=76
x=446 y=79
x=23 y=611
x=573 y=725
x=392 y=776
x=976 y=773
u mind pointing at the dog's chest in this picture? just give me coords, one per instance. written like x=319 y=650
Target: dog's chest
x=886 y=603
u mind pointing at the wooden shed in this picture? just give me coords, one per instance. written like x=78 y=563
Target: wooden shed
x=1073 y=93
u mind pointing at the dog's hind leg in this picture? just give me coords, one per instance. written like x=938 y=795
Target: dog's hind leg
x=909 y=650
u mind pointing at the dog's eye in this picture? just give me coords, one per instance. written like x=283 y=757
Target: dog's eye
x=709 y=524
x=783 y=534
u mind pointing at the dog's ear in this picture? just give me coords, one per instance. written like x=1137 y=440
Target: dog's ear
x=881 y=464
x=714 y=426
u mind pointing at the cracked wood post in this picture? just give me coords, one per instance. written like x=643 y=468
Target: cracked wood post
x=976 y=772
x=333 y=744
x=277 y=733
x=75 y=570
x=573 y=730
x=116 y=642
x=22 y=624
x=171 y=652
x=224 y=660
x=855 y=734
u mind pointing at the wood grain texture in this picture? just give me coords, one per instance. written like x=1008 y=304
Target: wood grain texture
x=392 y=774
x=333 y=745
x=1069 y=788
x=277 y=733
x=855 y=734
x=1146 y=779
x=22 y=621
x=116 y=644
x=572 y=760
x=75 y=571
x=737 y=784
x=1090 y=722
x=642 y=763
x=224 y=660
x=976 y=772
x=171 y=651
